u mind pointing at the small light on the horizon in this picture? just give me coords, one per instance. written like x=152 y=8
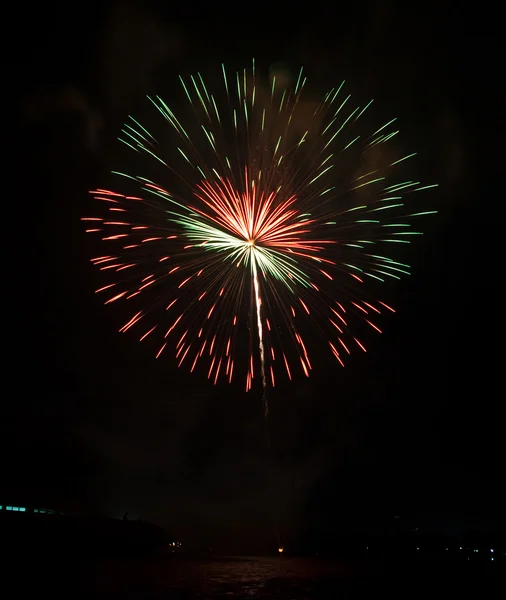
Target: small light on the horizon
x=280 y=549
x=491 y=549
x=461 y=547
x=491 y=558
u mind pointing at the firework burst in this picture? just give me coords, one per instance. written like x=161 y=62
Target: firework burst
x=269 y=219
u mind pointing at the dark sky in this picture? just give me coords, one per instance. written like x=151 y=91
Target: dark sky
x=91 y=422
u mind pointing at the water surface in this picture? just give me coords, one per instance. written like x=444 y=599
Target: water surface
x=283 y=578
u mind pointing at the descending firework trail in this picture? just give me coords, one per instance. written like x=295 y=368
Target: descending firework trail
x=256 y=215
x=258 y=304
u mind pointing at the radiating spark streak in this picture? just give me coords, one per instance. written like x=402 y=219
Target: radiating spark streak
x=386 y=306
x=147 y=333
x=105 y=287
x=360 y=344
x=114 y=298
x=161 y=350
x=374 y=326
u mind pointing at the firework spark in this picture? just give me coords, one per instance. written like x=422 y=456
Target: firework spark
x=269 y=224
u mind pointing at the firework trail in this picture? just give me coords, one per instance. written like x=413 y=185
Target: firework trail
x=257 y=216
x=258 y=304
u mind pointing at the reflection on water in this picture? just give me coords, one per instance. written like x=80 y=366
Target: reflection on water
x=248 y=577
x=278 y=578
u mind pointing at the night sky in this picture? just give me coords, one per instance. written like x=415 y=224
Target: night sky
x=91 y=422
